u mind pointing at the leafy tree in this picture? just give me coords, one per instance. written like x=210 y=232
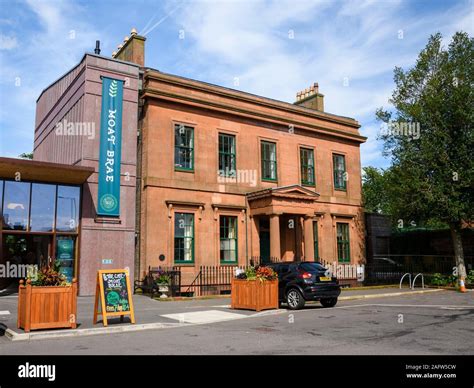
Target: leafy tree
x=374 y=190
x=26 y=155
x=434 y=169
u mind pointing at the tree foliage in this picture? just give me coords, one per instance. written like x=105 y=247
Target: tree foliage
x=26 y=155
x=435 y=172
x=432 y=175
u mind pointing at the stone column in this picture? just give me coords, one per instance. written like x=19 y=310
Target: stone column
x=308 y=239
x=275 y=250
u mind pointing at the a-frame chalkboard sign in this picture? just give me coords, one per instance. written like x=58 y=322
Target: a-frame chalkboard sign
x=113 y=295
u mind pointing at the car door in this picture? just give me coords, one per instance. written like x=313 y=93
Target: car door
x=284 y=275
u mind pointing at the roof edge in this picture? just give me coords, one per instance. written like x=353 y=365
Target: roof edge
x=154 y=73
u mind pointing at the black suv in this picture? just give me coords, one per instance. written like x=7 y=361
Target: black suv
x=302 y=281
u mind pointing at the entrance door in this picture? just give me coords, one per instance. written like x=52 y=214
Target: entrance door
x=264 y=234
x=25 y=249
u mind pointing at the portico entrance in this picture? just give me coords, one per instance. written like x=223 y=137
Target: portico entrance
x=283 y=218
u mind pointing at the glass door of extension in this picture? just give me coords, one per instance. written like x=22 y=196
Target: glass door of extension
x=39 y=224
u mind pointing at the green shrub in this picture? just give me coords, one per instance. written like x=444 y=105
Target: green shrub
x=470 y=277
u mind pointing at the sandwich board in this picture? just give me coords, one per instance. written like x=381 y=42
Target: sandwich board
x=113 y=297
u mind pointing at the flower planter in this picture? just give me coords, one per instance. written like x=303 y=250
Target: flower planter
x=254 y=294
x=164 y=289
x=47 y=307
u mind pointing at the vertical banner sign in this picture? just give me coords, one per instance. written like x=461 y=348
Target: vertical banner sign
x=108 y=203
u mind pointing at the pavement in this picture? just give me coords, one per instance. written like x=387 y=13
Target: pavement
x=157 y=314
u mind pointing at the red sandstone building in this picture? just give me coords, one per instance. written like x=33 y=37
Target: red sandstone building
x=208 y=175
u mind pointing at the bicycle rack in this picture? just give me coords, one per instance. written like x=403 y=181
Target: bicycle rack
x=409 y=280
x=422 y=281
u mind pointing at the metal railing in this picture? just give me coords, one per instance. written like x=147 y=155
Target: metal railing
x=211 y=280
x=389 y=269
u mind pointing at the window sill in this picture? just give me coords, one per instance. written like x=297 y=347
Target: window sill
x=270 y=180
x=184 y=170
x=184 y=264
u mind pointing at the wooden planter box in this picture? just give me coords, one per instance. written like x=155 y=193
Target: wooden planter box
x=47 y=307
x=254 y=294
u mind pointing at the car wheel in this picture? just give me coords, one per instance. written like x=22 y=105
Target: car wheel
x=294 y=299
x=329 y=302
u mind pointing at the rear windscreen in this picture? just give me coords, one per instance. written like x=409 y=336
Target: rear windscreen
x=312 y=267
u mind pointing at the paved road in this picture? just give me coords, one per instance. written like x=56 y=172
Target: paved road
x=438 y=323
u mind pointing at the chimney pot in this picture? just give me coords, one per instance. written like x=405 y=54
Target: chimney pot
x=311 y=98
x=135 y=51
x=114 y=53
x=97 y=47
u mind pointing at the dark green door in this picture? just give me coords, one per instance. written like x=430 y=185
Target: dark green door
x=264 y=241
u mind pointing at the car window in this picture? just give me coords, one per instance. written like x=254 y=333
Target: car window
x=293 y=267
x=276 y=268
x=312 y=267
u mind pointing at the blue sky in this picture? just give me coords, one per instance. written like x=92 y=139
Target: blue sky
x=274 y=48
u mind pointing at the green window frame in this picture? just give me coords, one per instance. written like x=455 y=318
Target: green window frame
x=227 y=155
x=229 y=241
x=269 y=161
x=184 y=238
x=316 y=240
x=307 y=166
x=183 y=148
x=339 y=166
x=343 y=242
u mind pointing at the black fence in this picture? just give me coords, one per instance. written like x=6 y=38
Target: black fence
x=389 y=269
x=211 y=280
x=216 y=280
x=259 y=260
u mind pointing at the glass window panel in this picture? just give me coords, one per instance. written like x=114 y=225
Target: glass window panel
x=339 y=171
x=226 y=154
x=343 y=244
x=184 y=144
x=65 y=254
x=184 y=237
x=43 y=201
x=307 y=163
x=16 y=204
x=228 y=238
x=67 y=217
x=269 y=163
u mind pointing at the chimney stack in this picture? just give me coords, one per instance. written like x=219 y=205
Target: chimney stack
x=97 y=47
x=132 y=49
x=311 y=98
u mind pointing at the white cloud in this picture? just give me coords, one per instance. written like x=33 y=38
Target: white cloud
x=7 y=42
x=42 y=55
x=332 y=40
